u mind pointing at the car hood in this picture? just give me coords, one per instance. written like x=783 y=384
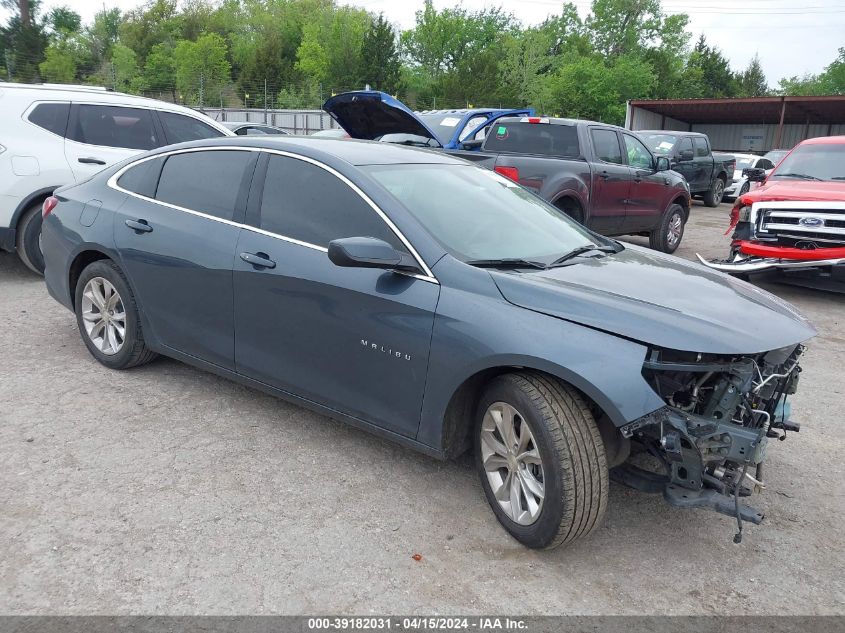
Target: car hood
x=662 y=301
x=369 y=115
x=793 y=189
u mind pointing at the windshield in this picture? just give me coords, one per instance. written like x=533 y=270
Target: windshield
x=660 y=144
x=477 y=214
x=814 y=161
x=744 y=163
x=776 y=155
x=443 y=125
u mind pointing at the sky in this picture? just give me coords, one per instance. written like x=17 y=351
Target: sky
x=790 y=39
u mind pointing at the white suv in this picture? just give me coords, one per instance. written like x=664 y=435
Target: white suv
x=54 y=135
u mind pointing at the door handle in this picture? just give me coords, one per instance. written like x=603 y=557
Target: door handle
x=91 y=161
x=604 y=175
x=638 y=179
x=139 y=226
x=259 y=260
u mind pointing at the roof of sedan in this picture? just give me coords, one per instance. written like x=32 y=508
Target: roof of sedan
x=351 y=151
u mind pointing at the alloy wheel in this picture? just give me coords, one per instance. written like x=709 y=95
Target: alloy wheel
x=676 y=229
x=719 y=191
x=104 y=315
x=512 y=463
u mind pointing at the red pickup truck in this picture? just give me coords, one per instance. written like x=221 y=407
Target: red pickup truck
x=795 y=222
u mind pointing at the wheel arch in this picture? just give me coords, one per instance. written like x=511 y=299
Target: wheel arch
x=40 y=195
x=684 y=202
x=80 y=262
x=459 y=415
x=569 y=198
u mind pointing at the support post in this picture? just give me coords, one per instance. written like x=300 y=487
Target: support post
x=780 y=125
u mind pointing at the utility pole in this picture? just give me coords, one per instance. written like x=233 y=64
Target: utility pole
x=113 y=77
x=9 y=64
x=265 y=101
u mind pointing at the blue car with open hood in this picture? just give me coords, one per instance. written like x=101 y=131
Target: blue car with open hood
x=376 y=116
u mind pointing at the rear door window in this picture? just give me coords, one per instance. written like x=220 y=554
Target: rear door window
x=142 y=178
x=210 y=182
x=606 y=144
x=180 y=128
x=114 y=126
x=51 y=117
x=545 y=139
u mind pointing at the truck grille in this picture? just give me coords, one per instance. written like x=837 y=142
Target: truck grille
x=791 y=226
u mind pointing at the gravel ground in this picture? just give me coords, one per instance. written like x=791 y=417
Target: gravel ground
x=166 y=490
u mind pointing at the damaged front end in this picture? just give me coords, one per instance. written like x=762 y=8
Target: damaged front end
x=710 y=439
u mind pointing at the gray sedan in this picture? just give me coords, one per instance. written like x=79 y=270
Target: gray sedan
x=438 y=304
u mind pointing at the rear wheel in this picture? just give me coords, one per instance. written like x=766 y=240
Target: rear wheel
x=668 y=234
x=717 y=191
x=746 y=187
x=28 y=240
x=107 y=317
x=541 y=460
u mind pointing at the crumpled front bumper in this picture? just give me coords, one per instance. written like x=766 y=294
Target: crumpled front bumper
x=752 y=257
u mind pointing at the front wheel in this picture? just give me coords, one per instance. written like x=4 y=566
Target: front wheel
x=668 y=234
x=541 y=459
x=28 y=239
x=714 y=196
x=746 y=187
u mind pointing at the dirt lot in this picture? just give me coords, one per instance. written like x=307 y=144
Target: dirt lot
x=168 y=490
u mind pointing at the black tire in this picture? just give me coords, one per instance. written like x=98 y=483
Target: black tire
x=717 y=191
x=572 y=209
x=28 y=239
x=133 y=351
x=659 y=239
x=746 y=187
x=574 y=466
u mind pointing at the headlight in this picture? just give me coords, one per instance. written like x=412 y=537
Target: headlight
x=744 y=213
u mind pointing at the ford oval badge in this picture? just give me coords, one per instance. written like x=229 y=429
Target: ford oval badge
x=811 y=222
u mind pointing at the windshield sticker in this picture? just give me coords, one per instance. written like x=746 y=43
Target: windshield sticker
x=450 y=121
x=501 y=132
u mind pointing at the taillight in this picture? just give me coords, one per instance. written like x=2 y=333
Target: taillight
x=48 y=206
x=508 y=172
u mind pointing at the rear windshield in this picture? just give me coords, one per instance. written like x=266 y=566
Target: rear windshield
x=545 y=139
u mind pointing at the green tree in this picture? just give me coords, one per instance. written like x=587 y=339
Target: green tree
x=125 y=74
x=833 y=77
x=708 y=72
x=202 y=68
x=103 y=33
x=752 y=81
x=160 y=70
x=23 y=40
x=64 y=22
x=592 y=88
x=440 y=41
x=59 y=65
x=380 y=58
x=150 y=24
x=331 y=48
x=801 y=86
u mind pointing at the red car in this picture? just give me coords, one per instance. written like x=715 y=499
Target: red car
x=795 y=222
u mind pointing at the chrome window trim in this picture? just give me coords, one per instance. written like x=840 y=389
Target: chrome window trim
x=112 y=183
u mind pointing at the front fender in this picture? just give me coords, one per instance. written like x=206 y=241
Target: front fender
x=476 y=331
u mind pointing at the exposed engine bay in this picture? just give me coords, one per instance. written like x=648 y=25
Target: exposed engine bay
x=711 y=438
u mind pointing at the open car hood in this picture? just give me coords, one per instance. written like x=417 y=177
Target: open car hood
x=785 y=189
x=662 y=301
x=370 y=114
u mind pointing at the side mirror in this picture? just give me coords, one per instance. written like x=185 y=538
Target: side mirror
x=662 y=164
x=472 y=145
x=754 y=174
x=686 y=155
x=368 y=252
